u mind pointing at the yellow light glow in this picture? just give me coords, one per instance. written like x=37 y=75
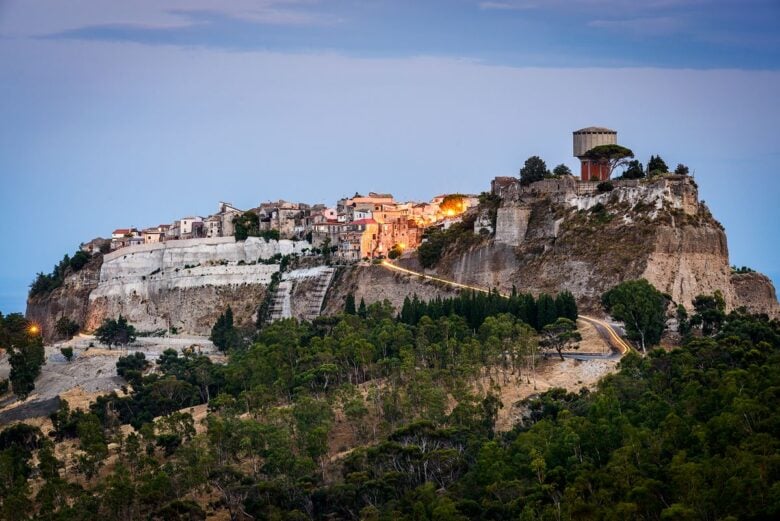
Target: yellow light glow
x=450 y=213
x=34 y=329
x=402 y=245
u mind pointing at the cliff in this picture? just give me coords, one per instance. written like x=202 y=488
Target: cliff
x=178 y=284
x=563 y=235
x=756 y=293
x=70 y=300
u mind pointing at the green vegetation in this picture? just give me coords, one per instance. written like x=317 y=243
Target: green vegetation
x=634 y=170
x=641 y=308
x=223 y=333
x=559 y=335
x=681 y=169
x=46 y=283
x=613 y=155
x=115 y=332
x=66 y=328
x=656 y=166
x=437 y=240
x=561 y=170
x=248 y=225
x=605 y=186
x=742 y=269
x=23 y=341
x=534 y=169
x=710 y=313
x=395 y=252
x=475 y=307
x=690 y=433
x=67 y=352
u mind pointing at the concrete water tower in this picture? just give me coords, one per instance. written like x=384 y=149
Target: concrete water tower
x=586 y=139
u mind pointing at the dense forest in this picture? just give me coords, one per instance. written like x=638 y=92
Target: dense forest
x=369 y=416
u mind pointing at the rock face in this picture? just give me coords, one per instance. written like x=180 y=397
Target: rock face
x=177 y=284
x=755 y=292
x=563 y=235
x=376 y=284
x=71 y=300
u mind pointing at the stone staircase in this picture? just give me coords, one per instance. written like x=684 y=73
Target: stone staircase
x=301 y=293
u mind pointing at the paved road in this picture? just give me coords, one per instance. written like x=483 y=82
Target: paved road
x=619 y=346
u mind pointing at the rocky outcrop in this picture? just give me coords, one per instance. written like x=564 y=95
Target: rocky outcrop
x=561 y=235
x=376 y=284
x=178 y=284
x=756 y=293
x=70 y=300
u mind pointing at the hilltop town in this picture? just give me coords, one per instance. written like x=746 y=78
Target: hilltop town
x=356 y=228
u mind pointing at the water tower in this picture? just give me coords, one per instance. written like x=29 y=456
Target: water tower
x=586 y=139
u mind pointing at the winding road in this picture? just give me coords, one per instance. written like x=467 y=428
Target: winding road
x=619 y=346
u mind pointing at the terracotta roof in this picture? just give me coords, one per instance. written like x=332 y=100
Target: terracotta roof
x=122 y=231
x=363 y=221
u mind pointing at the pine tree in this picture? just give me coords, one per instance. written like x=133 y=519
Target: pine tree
x=362 y=311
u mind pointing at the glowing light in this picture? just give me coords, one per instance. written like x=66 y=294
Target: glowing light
x=449 y=213
x=34 y=329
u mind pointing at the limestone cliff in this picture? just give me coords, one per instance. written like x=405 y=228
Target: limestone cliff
x=563 y=235
x=376 y=284
x=70 y=300
x=178 y=284
x=756 y=293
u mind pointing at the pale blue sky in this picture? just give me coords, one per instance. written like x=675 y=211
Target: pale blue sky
x=133 y=113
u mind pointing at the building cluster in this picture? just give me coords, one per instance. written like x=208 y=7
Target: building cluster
x=356 y=228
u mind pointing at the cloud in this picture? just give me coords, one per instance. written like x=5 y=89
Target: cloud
x=45 y=17
x=661 y=25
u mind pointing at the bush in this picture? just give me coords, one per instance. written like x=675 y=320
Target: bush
x=605 y=186
x=66 y=328
x=115 y=332
x=67 y=352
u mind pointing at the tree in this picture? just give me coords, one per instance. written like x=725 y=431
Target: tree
x=24 y=344
x=533 y=170
x=224 y=333
x=560 y=334
x=546 y=313
x=66 y=328
x=656 y=165
x=681 y=169
x=349 y=305
x=561 y=170
x=67 y=352
x=362 y=312
x=613 y=155
x=395 y=252
x=246 y=225
x=634 y=170
x=710 y=312
x=640 y=307
x=115 y=332
x=566 y=306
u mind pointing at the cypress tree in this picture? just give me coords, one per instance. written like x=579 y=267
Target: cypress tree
x=566 y=306
x=545 y=311
x=362 y=311
x=349 y=305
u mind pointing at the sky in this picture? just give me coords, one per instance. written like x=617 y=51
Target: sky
x=117 y=114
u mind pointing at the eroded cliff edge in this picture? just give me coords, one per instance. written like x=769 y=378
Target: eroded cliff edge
x=181 y=285
x=563 y=235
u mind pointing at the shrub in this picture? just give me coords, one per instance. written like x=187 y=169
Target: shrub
x=67 y=352
x=605 y=186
